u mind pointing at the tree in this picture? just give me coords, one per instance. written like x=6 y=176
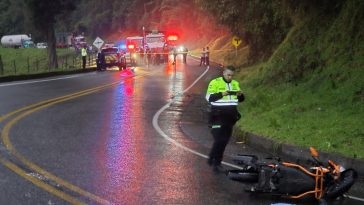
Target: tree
x=43 y=15
x=262 y=24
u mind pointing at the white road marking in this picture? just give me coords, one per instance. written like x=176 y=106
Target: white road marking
x=165 y=136
x=354 y=197
x=40 y=81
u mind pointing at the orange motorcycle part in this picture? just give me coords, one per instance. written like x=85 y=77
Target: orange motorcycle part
x=319 y=181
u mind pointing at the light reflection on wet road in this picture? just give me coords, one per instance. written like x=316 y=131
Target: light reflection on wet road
x=129 y=162
x=140 y=167
x=121 y=160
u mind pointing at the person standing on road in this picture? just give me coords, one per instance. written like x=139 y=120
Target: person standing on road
x=84 y=55
x=174 y=56
x=203 y=53
x=223 y=94
x=165 y=54
x=100 y=61
x=185 y=51
x=207 y=56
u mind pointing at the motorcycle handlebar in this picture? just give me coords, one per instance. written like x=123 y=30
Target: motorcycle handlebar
x=318 y=161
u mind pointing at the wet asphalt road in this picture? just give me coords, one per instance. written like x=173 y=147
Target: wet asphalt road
x=92 y=140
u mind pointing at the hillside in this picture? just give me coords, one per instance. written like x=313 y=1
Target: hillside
x=310 y=91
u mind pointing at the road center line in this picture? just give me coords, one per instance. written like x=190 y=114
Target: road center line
x=36 y=107
x=40 y=81
x=6 y=140
x=165 y=136
x=40 y=183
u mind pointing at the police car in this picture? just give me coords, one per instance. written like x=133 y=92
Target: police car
x=109 y=57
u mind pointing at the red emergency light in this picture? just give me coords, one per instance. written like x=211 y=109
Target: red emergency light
x=131 y=46
x=172 y=38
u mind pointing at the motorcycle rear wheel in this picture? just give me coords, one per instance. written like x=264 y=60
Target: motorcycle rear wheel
x=243 y=176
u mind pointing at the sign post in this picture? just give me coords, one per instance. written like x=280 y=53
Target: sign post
x=236 y=41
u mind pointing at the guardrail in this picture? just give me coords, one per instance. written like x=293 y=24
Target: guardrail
x=31 y=65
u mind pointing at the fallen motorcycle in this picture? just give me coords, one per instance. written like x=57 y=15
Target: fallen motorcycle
x=291 y=180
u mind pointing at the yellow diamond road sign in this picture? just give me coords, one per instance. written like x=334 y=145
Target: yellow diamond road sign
x=98 y=42
x=236 y=41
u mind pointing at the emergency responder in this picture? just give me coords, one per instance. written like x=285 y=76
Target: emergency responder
x=84 y=55
x=185 y=51
x=165 y=54
x=207 y=56
x=100 y=62
x=223 y=94
x=174 y=56
x=149 y=56
x=202 y=60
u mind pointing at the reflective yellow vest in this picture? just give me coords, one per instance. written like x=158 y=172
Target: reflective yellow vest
x=83 y=52
x=219 y=85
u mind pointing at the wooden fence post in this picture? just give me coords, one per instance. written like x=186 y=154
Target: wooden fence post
x=28 y=64
x=37 y=64
x=14 y=66
x=66 y=62
x=1 y=66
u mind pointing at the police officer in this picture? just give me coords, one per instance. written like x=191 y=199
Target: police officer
x=84 y=55
x=223 y=94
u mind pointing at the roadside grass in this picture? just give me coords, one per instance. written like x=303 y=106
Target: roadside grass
x=311 y=91
x=33 y=60
x=294 y=115
x=318 y=101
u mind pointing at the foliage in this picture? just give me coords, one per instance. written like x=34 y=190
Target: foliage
x=311 y=90
x=13 y=18
x=43 y=14
x=115 y=19
x=262 y=24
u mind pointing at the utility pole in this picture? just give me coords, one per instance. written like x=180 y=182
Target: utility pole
x=144 y=44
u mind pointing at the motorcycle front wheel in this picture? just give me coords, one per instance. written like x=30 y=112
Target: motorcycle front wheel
x=243 y=175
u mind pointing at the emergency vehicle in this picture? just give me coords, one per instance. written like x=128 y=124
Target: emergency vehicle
x=135 y=43
x=78 y=42
x=155 y=41
x=134 y=49
x=109 y=57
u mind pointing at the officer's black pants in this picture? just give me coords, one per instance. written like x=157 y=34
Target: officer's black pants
x=221 y=139
x=83 y=62
x=202 y=61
